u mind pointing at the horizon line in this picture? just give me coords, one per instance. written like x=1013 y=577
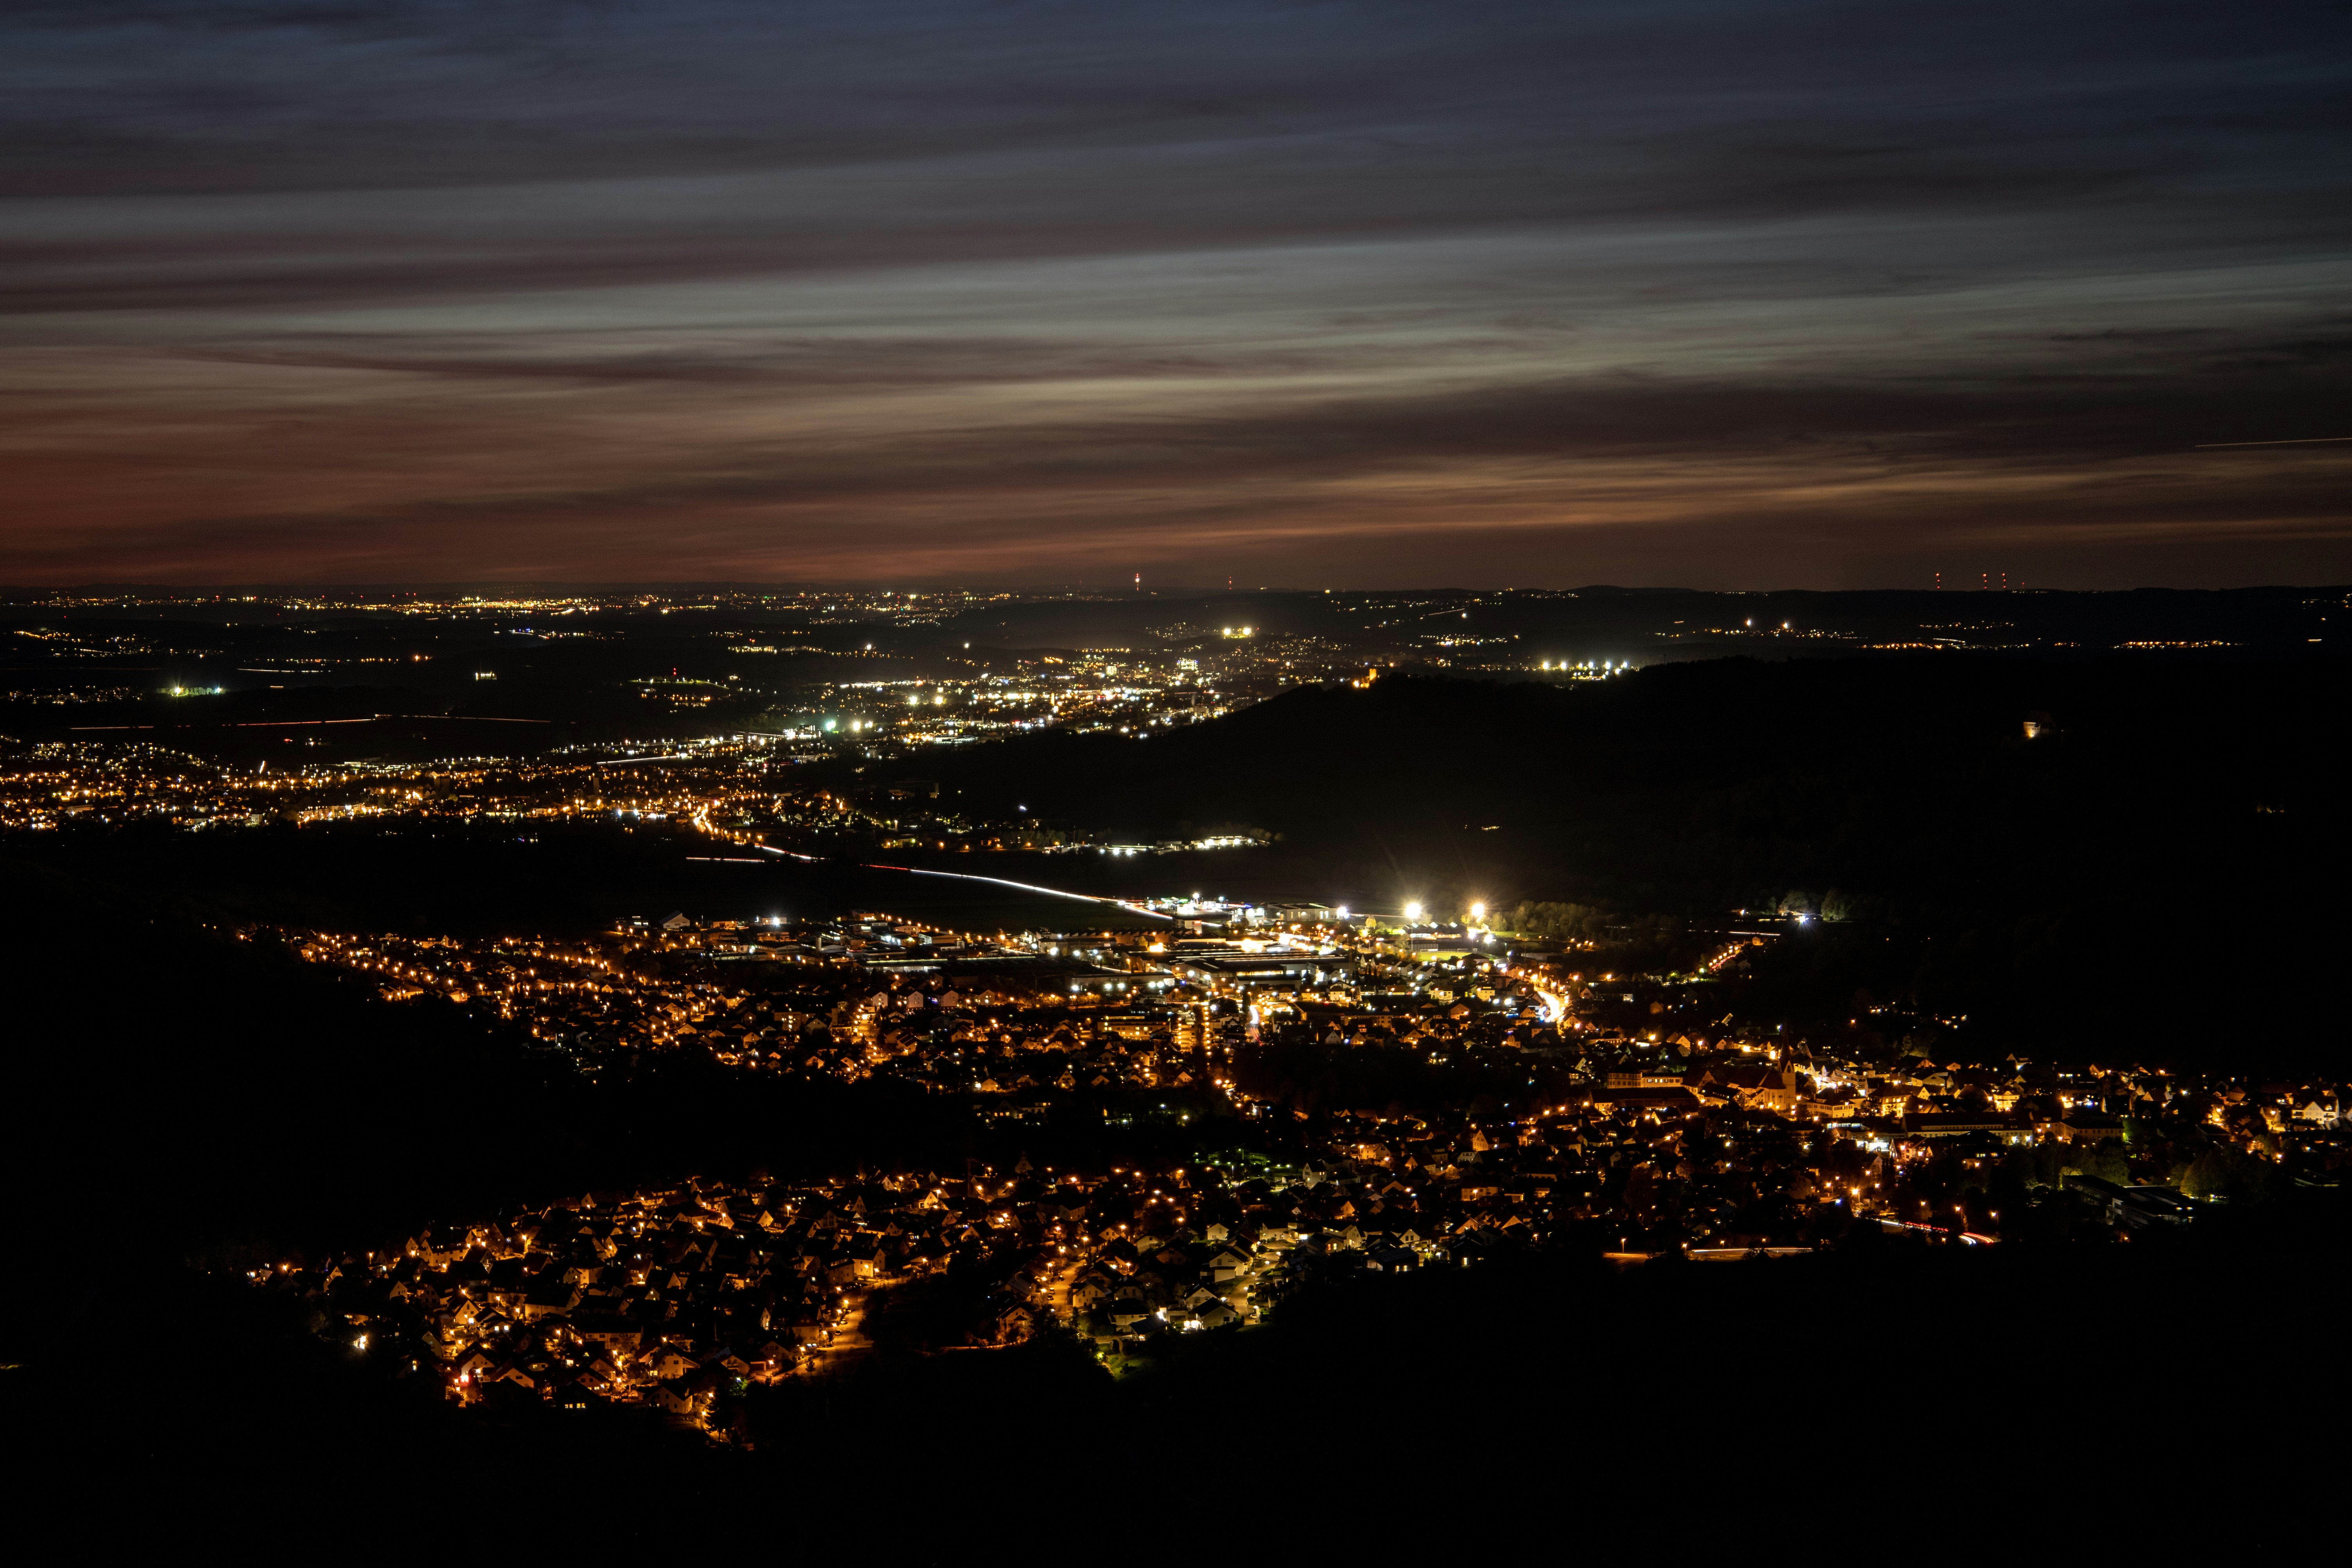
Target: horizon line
x=480 y=587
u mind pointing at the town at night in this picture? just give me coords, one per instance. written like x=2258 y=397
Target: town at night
x=916 y=783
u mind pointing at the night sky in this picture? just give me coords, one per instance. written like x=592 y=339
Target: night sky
x=1716 y=294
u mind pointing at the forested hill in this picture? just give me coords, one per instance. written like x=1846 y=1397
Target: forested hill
x=2170 y=836
x=1909 y=780
x=219 y=1097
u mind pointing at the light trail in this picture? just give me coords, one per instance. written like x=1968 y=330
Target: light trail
x=1029 y=888
x=1000 y=882
x=1970 y=1237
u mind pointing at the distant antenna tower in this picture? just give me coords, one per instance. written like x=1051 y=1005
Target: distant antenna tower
x=1138 y=582
x=1939 y=581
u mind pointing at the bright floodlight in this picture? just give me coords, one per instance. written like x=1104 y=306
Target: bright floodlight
x=1412 y=911
x=1478 y=911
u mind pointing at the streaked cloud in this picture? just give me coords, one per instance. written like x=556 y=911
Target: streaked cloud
x=1722 y=294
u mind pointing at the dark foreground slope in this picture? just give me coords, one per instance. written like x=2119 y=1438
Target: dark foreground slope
x=2018 y=1387
x=1974 y=1395
x=170 y=1099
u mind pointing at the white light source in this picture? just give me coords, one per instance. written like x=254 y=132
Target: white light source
x=1412 y=911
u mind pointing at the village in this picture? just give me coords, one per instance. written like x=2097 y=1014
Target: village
x=1550 y=1107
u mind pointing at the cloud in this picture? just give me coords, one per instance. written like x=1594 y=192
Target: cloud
x=919 y=290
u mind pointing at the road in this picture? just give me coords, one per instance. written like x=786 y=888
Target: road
x=848 y=1345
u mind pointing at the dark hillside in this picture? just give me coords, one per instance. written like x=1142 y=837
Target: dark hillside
x=2152 y=869
x=230 y=1098
x=1729 y=780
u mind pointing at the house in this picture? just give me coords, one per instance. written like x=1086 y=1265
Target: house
x=677 y=1399
x=1885 y=1099
x=548 y=1298
x=1760 y=1086
x=2089 y=1126
x=510 y=1281
x=574 y=1396
x=1953 y=1123
x=667 y=1362
x=613 y=1333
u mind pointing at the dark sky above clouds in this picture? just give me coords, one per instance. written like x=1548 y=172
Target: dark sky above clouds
x=1713 y=292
